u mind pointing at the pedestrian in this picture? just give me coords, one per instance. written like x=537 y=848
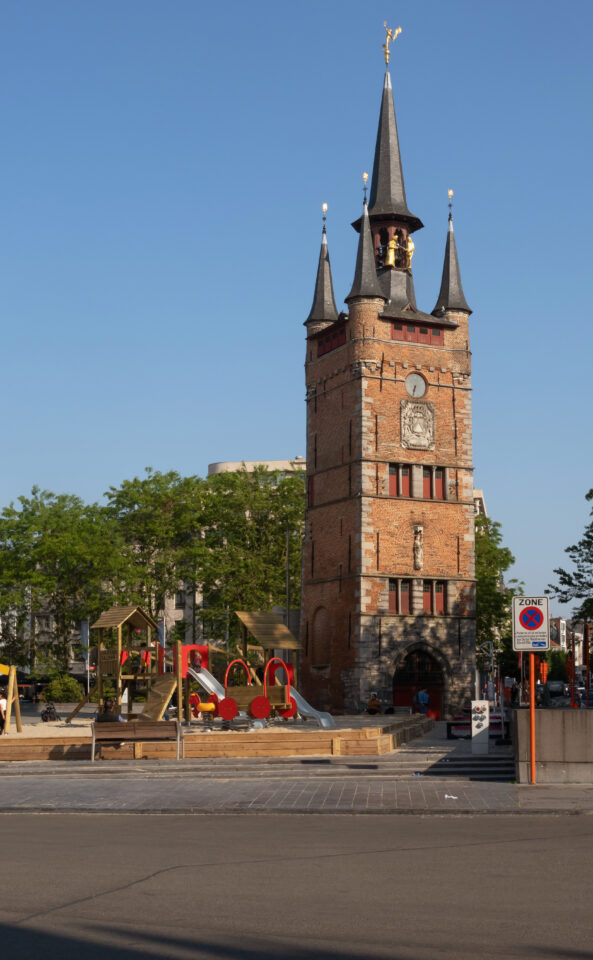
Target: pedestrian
x=423 y=699
x=374 y=704
x=3 y=707
x=109 y=714
x=515 y=694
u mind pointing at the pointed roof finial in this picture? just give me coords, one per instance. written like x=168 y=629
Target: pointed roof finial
x=451 y=296
x=323 y=311
x=392 y=34
x=365 y=180
x=366 y=282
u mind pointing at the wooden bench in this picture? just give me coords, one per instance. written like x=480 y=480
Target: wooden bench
x=136 y=731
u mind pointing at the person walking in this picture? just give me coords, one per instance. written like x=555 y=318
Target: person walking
x=3 y=706
x=423 y=699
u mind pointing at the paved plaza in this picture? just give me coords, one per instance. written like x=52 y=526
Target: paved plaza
x=402 y=782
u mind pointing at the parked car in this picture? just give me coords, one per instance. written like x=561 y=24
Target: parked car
x=556 y=694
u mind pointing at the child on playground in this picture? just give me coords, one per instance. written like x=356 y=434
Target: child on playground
x=3 y=705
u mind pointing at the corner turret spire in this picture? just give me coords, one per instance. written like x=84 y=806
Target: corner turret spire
x=323 y=310
x=366 y=282
x=451 y=296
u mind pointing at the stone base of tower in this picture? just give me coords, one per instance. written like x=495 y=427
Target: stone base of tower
x=395 y=657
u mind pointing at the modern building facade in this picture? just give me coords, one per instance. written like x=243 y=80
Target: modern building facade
x=388 y=564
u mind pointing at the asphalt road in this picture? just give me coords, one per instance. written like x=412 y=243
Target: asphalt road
x=312 y=887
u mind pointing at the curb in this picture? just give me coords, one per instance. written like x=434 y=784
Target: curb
x=298 y=811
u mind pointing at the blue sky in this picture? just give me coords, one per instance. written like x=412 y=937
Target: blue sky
x=162 y=172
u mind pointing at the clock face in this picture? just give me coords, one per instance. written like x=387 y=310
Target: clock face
x=415 y=385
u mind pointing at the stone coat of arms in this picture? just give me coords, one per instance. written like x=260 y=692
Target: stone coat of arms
x=417 y=425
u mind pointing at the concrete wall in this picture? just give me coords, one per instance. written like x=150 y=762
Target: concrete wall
x=563 y=746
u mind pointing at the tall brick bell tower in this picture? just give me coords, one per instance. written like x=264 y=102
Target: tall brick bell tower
x=388 y=562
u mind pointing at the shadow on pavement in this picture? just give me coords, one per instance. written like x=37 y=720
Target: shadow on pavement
x=28 y=942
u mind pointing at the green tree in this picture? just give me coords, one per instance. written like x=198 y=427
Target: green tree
x=577 y=584
x=59 y=556
x=249 y=520
x=160 y=518
x=493 y=596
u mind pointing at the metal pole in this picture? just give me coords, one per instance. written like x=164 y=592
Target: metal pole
x=572 y=672
x=287 y=573
x=586 y=652
x=532 y=715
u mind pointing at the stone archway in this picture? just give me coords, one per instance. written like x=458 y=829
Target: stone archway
x=418 y=668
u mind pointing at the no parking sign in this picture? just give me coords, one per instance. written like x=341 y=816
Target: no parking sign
x=531 y=624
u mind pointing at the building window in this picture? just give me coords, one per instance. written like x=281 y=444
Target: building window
x=311 y=491
x=433 y=483
x=440 y=597
x=426 y=483
x=413 y=334
x=399 y=480
x=439 y=483
x=400 y=593
x=329 y=342
x=180 y=600
x=427 y=596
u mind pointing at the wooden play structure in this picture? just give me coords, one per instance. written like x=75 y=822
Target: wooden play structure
x=269 y=634
x=127 y=661
x=12 y=698
x=132 y=666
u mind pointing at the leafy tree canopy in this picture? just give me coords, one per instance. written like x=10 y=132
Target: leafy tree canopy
x=577 y=584
x=493 y=595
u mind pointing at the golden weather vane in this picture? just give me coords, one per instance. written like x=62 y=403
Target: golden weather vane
x=392 y=34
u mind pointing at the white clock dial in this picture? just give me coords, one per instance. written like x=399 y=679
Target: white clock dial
x=415 y=385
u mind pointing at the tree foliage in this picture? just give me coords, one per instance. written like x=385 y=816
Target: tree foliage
x=251 y=519
x=225 y=536
x=59 y=556
x=577 y=584
x=493 y=596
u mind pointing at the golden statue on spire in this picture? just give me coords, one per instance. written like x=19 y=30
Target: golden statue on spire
x=392 y=34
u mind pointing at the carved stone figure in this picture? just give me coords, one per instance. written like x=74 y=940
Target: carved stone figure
x=417 y=425
x=418 y=548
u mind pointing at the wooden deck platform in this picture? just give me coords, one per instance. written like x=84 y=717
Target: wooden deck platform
x=291 y=741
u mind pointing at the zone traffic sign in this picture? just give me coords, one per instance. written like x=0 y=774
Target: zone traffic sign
x=531 y=624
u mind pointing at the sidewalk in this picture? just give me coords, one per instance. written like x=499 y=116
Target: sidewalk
x=398 y=783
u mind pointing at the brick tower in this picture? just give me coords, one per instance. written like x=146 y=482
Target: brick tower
x=388 y=562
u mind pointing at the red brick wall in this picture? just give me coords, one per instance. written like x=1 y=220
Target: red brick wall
x=354 y=396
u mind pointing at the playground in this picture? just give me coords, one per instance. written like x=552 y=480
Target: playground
x=194 y=701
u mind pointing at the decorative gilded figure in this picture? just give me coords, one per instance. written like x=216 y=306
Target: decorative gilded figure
x=391 y=35
x=391 y=249
x=410 y=247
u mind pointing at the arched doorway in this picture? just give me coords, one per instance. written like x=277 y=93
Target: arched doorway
x=419 y=669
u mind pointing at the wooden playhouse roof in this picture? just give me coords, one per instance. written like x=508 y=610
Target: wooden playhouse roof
x=117 y=616
x=268 y=630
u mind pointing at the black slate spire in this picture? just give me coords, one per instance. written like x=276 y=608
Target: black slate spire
x=324 y=305
x=388 y=194
x=451 y=296
x=366 y=282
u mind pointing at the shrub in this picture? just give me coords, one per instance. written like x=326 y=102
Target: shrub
x=63 y=689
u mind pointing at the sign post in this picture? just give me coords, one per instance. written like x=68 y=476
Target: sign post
x=531 y=633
